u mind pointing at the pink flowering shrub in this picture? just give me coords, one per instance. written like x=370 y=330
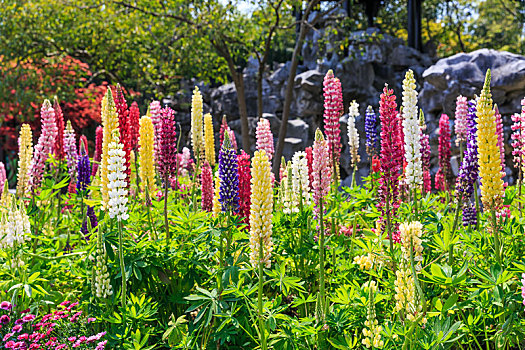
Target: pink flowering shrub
x=64 y=328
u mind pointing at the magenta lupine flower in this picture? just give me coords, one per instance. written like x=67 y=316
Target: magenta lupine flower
x=523 y=287
x=460 y=126
x=518 y=137
x=167 y=143
x=444 y=154
x=392 y=152
x=264 y=137
x=333 y=109
x=3 y=177
x=155 y=111
x=45 y=145
x=499 y=132
x=425 y=161
x=70 y=149
x=206 y=187
x=322 y=171
x=98 y=149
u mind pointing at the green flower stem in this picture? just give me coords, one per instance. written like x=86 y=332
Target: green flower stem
x=497 y=243
x=454 y=226
x=166 y=223
x=122 y=268
x=262 y=328
x=321 y=262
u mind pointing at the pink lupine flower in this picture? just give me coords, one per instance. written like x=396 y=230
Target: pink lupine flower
x=3 y=177
x=70 y=149
x=333 y=109
x=444 y=154
x=98 y=149
x=206 y=187
x=322 y=171
x=461 y=124
x=499 y=132
x=45 y=145
x=264 y=137
x=523 y=287
x=518 y=137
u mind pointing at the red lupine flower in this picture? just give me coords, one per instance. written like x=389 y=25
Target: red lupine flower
x=98 y=149
x=310 y=160
x=59 y=141
x=206 y=187
x=243 y=163
x=134 y=124
x=123 y=126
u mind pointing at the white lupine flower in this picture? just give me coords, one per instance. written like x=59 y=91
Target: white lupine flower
x=353 y=136
x=14 y=227
x=288 y=197
x=411 y=130
x=301 y=181
x=103 y=288
x=117 y=181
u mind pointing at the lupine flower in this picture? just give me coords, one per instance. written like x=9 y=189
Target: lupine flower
x=45 y=145
x=124 y=127
x=468 y=171
x=470 y=217
x=460 y=125
x=110 y=122
x=99 y=135
x=209 y=141
x=286 y=191
x=229 y=190
x=197 y=134
x=118 y=193
x=206 y=187
x=372 y=330
x=167 y=142
x=83 y=143
x=333 y=109
x=353 y=136
x=147 y=155
x=70 y=148
x=425 y=154
x=411 y=132
x=59 y=141
x=443 y=173
x=233 y=140
x=93 y=222
x=3 y=177
x=264 y=137
x=322 y=171
x=224 y=128
x=518 y=138
x=243 y=161
x=499 y=133
x=489 y=161
x=155 y=113
x=261 y=210
x=25 y=156
x=84 y=172
x=371 y=131
x=310 y=160
x=14 y=227
x=410 y=234
x=216 y=195
x=300 y=178
x=103 y=287
x=391 y=154
x=134 y=123
x=406 y=301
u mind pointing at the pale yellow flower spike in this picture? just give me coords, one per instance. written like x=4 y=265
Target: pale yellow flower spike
x=197 y=138
x=147 y=155
x=490 y=171
x=109 y=118
x=25 y=155
x=216 y=209
x=209 y=141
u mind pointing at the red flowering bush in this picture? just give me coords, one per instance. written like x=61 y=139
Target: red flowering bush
x=64 y=328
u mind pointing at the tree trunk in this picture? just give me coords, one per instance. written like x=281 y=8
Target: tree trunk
x=238 y=81
x=288 y=97
x=259 y=90
x=414 y=24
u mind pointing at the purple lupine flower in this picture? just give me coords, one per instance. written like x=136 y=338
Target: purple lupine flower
x=229 y=189
x=468 y=171
x=166 y=153
x=469 y=214
x=84 y=171
x=90 y=215
x=371 y=131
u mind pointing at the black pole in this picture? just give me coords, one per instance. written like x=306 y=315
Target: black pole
x=414 y=24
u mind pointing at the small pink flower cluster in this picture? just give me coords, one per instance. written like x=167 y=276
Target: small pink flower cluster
x=264 y=137
x=51 y=331
x=333 y=109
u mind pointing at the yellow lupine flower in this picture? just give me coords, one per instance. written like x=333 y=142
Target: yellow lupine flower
x=490 y=171
x=261 y=209
x=25 y=154
x=209 y=141
x=197 y=138
x=109 y=118
x=147 y=155
x=216 y=209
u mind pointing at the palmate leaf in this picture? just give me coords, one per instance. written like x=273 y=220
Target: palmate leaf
x=285 y=283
